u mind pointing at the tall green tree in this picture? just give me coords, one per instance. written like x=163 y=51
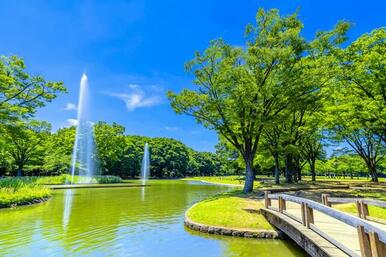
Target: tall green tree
x=240 y=90
x=111 y=145
x=24 y=142
x=22 y=93
x=357 y=107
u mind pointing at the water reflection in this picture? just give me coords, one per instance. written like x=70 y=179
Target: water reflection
x=121 y=222
x=67 y=208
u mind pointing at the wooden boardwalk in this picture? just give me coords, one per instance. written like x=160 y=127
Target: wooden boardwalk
x=340 y=229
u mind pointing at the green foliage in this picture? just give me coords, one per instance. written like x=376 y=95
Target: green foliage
x=58 y=152
x=21 y=93
x=107 y=179
x=24 y=143
x=169 y=158
x=19 y=191
x=357 y=101
x=275 y=79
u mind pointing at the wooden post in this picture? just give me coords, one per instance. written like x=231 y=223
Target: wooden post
x=376 y=245
x=280 y=202
x=365 y=210
x=364 y=242
x=309 y=216
x=303 y=210
x=267 y=200
x=359 y=209
x=325 y=200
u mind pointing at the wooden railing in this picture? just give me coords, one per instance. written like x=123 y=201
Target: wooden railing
x=372 y=240
x=362 y=205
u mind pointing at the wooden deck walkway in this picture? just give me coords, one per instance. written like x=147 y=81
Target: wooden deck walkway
x=341 y=229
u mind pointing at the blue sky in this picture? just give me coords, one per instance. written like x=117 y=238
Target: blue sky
x=134 y=51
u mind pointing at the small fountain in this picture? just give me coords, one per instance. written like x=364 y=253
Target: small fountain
x=82 y=157
x=145 y=168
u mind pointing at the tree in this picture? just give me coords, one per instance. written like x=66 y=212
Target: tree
x=357 y=108
x=311 y=150
x=168 y=158
x=58 y=151
x=20 y=92
x=111 y=146
x=239 y=91
x=24 y=142
x=363 y=76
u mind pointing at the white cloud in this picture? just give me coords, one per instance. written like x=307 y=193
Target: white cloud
x=171 y=128
x=137 y=98
x=70 y=107
x=71 y=122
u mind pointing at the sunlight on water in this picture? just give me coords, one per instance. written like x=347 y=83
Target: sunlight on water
x=119 y=222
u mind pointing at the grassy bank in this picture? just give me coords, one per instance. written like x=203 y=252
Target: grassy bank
x=229 y=210
x=26 y=190
x=20 y=191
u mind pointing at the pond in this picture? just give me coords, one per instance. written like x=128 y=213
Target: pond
x=123 y=222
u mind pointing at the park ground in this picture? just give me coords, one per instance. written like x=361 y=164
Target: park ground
x=232 y=209
x=241 y=211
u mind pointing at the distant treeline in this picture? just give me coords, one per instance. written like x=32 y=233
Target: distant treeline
x=33 y=150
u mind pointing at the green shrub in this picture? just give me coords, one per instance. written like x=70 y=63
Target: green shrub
x=107 y=179
x=19 y=191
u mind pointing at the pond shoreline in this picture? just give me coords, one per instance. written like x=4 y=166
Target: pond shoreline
x=249 y=233
x=27 y=203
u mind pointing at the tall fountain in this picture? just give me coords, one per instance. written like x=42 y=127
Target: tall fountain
x=145 y=168
x=83 y=163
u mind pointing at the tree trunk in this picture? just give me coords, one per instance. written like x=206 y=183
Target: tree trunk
x=277 y=169
x=249 y=175
x=20 y=170
x=313 y=173
x=297 y=169
x=288 y=171
x=373 y=172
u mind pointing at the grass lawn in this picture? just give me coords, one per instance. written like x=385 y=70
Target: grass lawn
x=229 y=180
x=229 y=210
x=265 y=182
x=374 y=211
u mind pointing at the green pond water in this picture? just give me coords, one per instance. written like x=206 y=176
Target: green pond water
x=123 y=222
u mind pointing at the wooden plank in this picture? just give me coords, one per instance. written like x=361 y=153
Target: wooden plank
x=303 y=212
x=376 y=245
x=353 y=200
x=267 y=200
x=365 y=210
x=280 y=200
x=333 y=241
x=336 y=214
x=290 y=215
x=364 y=242
x=359 y=209
x=309 y=215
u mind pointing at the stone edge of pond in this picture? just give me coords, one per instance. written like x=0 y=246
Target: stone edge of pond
x=27 y=203
x=217 y=230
